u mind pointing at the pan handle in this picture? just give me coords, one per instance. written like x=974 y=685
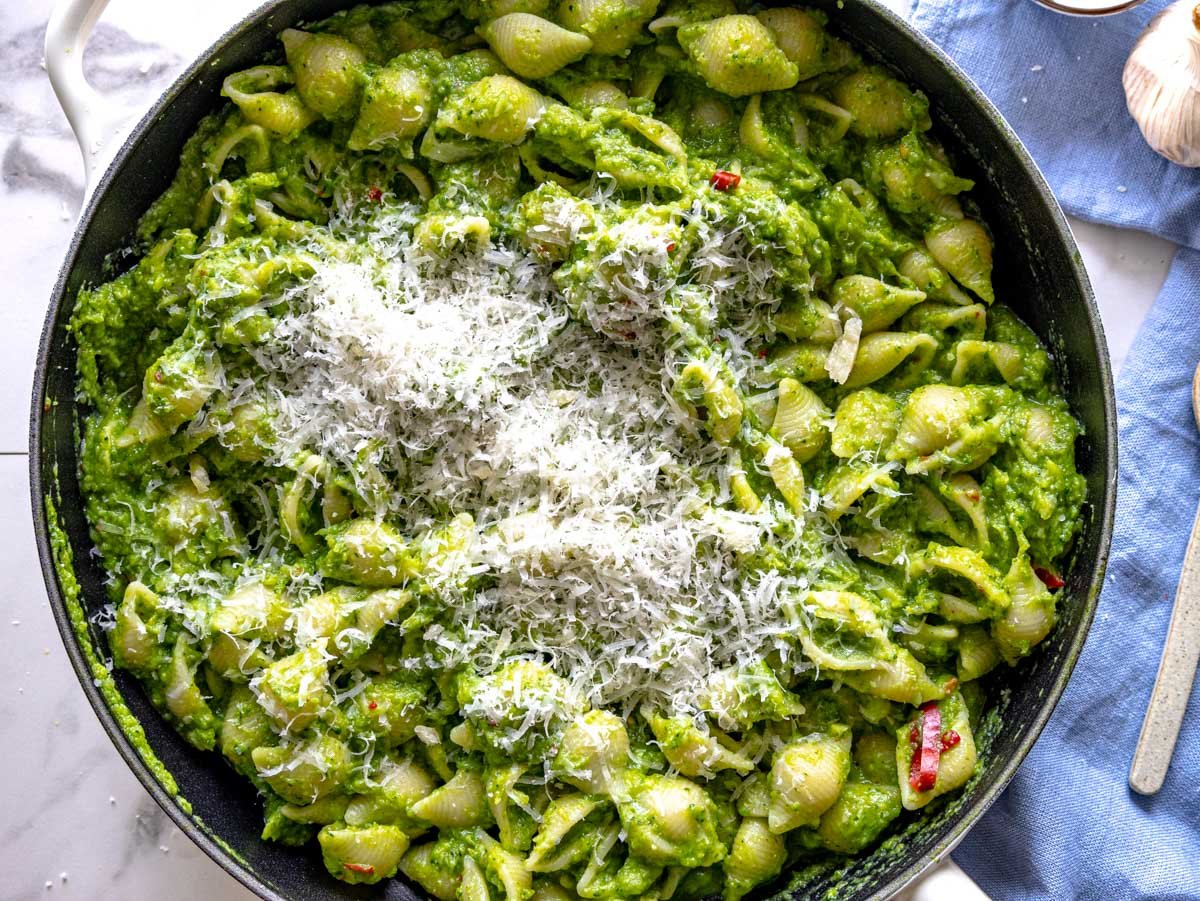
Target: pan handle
x=97 y=124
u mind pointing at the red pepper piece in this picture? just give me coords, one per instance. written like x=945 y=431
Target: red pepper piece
x=671 y=247
x=1049 y=577
x=725 y=181
x=374 y=194
x=950 y=739
x=371 y=705
x=364 y=868
x=922 y=774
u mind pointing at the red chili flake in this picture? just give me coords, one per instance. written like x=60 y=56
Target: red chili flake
x=973 y=496
x=671 y=247
x=364 y=868
x=374 y=194
x=725 y=181
x=950 y=739
x=628 y=336
x=762 y=354
x=46 y=406
x=951 y=686
x=1049 y=577
x=922 y=774
x=371 y=705
x=158 y=376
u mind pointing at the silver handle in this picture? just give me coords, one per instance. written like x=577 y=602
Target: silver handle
x=1176 y=672
x=97 y=124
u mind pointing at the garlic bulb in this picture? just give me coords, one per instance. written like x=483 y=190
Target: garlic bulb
x=1162 y=83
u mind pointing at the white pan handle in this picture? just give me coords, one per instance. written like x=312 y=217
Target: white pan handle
x=96 y=122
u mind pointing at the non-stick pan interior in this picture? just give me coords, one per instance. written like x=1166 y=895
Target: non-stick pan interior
x=1037 y=272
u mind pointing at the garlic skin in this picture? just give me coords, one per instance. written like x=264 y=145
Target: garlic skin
x=1162 y=83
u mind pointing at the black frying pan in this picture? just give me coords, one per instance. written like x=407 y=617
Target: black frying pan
x=1038 y=272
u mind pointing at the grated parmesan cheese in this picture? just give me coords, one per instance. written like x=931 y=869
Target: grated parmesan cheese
x=455 y=386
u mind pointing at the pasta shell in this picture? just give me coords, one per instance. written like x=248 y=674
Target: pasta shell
x=923 y=271
x=978 y=653
x=757 y=855
x=877 y=304
x=497 y=108
x=738 y=56
x=859 y=815
x=364 y=854
x=882 y=107
x=459 y=804
x=613 y=25
x=396 y=107
x=964 y=249
x=801 y=420
x=563 y=815
x=800 y=35
x=534 y=47
x=422 y=866
x=902 y=679
x=330 y=71
x=806 y=778
x=882 y=353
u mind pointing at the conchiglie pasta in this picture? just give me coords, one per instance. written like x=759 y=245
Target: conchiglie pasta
x=459 y=804
x=877 y=304
x=955 y=764
x=1031 y=613
x=858 y=817
x=401 y=784
x=964 y=249
x=801 y=35
x=362 y=854
x=807 y=776
x=592 y=751
x=757 y=855
x=134 y=638
x=978 y=653
x=496 y=108
x=303 y=774
x=737 y=55
x=938 y=418
x=801 y=421
x=882 y=107
x=881 y=354
x=672 y=822
x=330 y=71
x=903 y=679
x=919 y=267
x=421 y=865
x=562 y=839
x=613 y=25
x=254 y=92
x=723 y=408
x=534 y=47
x=397 y=105
x=691 y=751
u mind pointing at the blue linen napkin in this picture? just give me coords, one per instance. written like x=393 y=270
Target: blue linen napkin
x=1069 y=826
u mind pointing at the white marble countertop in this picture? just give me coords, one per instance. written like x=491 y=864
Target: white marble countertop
x=75 y=822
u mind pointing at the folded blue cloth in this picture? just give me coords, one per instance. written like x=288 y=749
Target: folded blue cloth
x=1069 y=826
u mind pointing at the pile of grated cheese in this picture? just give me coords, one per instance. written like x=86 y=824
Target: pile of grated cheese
x=601 y=516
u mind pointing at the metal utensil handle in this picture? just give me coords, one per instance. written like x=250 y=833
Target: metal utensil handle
x=1176 y=672
x=95 y=122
